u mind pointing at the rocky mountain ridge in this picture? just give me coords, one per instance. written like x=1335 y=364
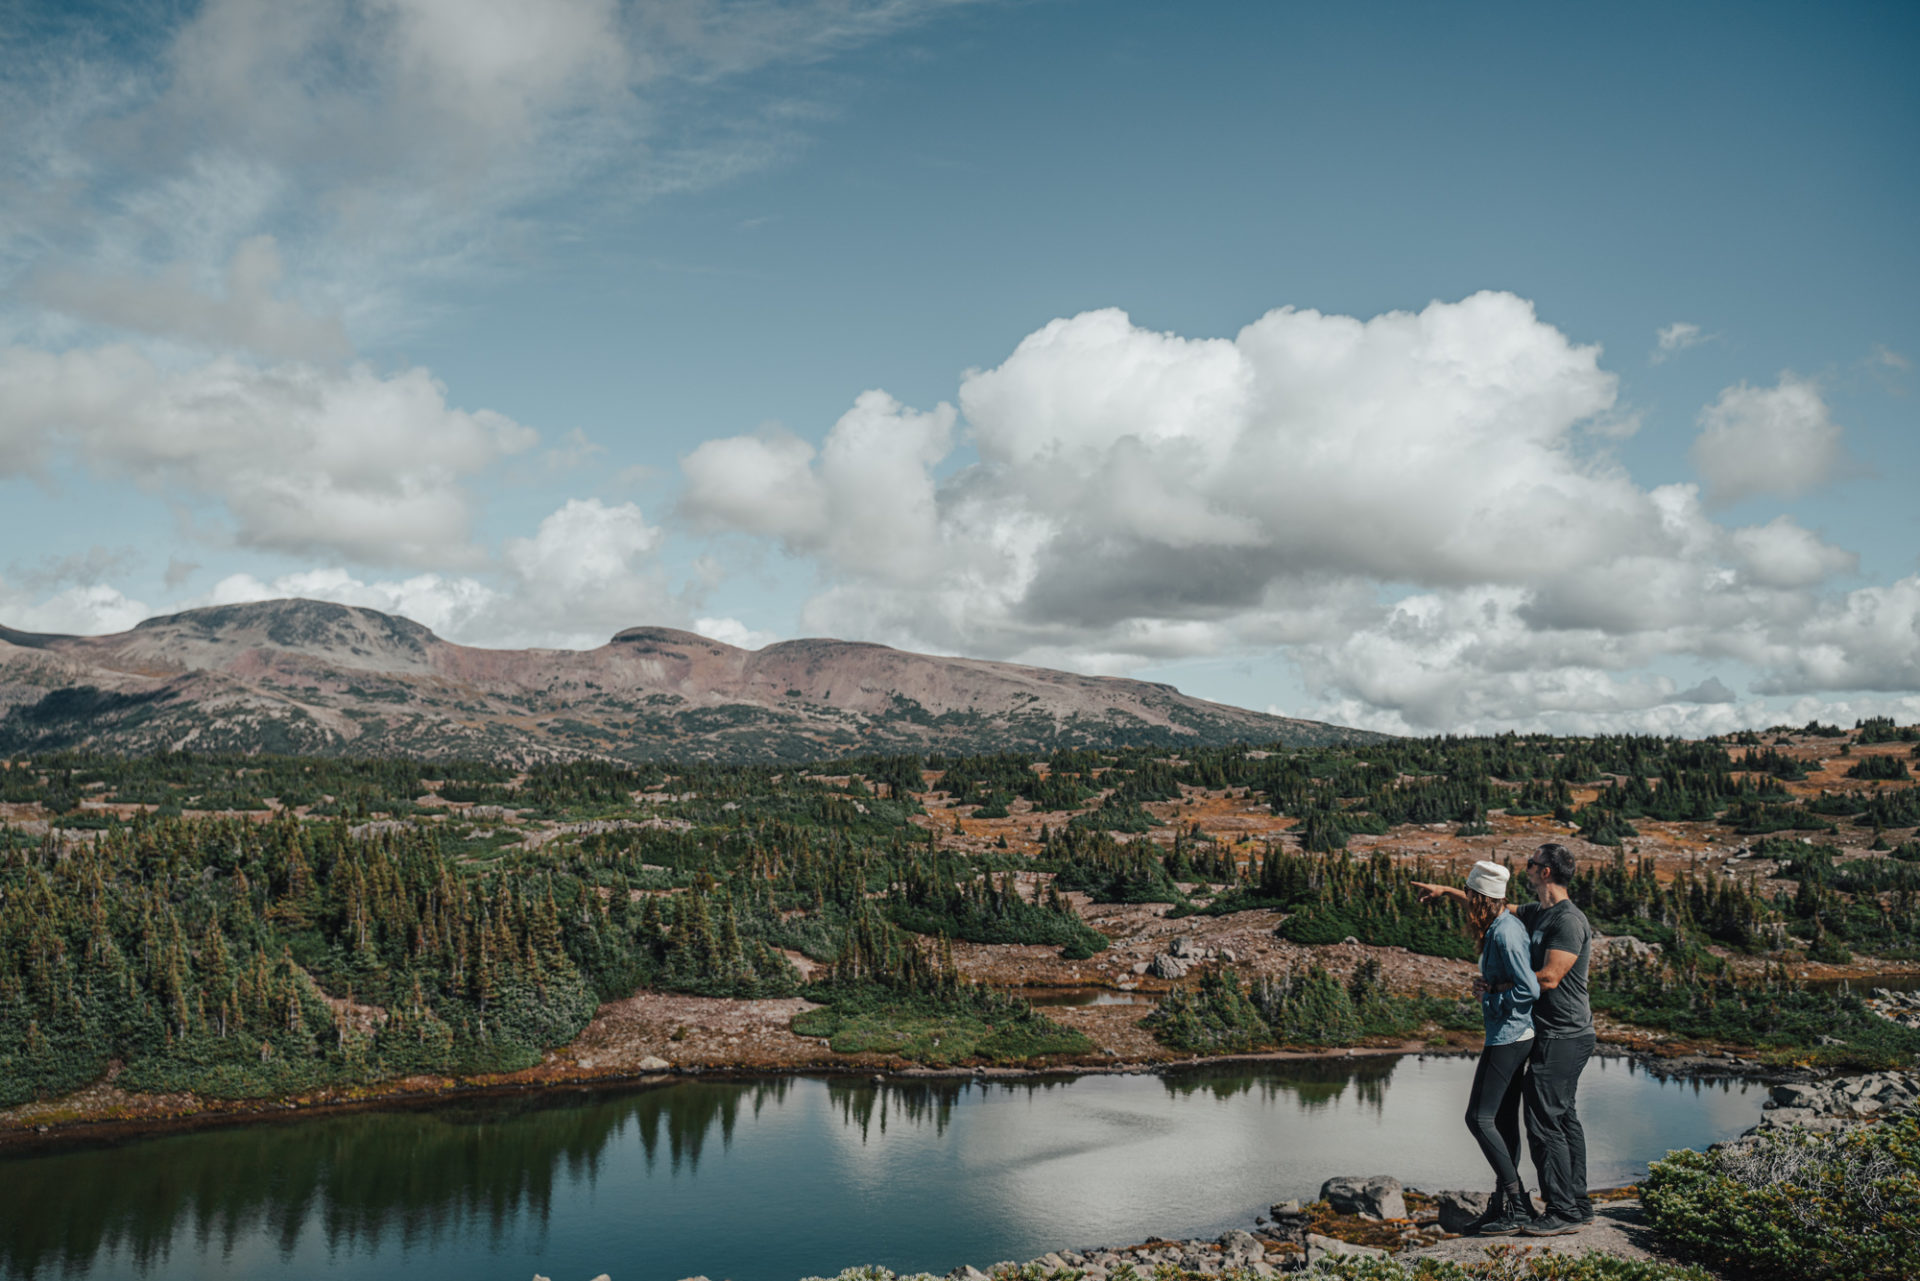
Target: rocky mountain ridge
x=315 y=677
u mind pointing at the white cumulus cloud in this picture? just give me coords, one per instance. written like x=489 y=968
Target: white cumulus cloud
x=1419 y=510
x=1766 y=440
x=301 y=458
x=588 y=571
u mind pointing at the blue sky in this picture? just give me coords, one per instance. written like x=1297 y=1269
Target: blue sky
x=1421 y=367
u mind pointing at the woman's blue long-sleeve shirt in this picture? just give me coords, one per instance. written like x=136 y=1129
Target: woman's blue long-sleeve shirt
x=1505 y=958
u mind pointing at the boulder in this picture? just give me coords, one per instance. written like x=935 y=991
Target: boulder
x=1458 y=1209
x=1165 y=966
x=1801 y=1095
x=654 y=1064
x=1609 y=947
x=967 y=1272
x=1183 y=946
x=1377 y=1197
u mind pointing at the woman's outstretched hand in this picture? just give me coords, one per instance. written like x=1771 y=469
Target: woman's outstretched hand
x=1429 y=892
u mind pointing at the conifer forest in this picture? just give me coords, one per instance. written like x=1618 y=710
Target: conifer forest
x=259 y=926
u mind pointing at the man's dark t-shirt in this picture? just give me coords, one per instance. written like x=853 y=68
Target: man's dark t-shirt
x=1561 y=1011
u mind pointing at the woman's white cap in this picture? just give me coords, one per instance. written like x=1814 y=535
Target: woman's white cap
x=1489 y=879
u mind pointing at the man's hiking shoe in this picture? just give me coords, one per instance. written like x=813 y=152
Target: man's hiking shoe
x=1550 y=1225
x=1583 y=1213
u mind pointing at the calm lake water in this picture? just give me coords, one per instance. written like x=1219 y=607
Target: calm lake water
x=779 y=1179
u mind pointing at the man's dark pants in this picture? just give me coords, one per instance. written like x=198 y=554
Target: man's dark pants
x=1554 y=1135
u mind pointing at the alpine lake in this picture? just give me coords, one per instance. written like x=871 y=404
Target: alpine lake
x=774 y=1179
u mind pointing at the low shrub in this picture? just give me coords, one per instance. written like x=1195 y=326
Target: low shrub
x=1507 y=1263
x=1797 y=1206
x=957 y=1026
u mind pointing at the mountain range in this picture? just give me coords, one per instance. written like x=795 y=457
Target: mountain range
x=313 y=677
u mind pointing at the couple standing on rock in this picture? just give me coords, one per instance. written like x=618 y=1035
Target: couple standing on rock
x=1533 y=996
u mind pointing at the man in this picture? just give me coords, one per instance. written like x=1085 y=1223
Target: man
x=1560 y=944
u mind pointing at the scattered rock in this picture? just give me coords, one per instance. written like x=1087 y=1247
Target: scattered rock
x=1319 y=1247
x=1378 y=1197
x=1240 y=1241
x=654 y=1064
x=1458 y=1209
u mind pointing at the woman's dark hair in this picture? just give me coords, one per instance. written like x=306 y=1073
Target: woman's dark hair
x=1559 y=862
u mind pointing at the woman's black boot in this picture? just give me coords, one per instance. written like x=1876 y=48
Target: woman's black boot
x=1516 y=1212
x=1496 y=1206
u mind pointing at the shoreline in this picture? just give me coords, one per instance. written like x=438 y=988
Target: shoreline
x=28 y=1135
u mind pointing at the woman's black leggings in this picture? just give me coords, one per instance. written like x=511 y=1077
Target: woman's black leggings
x=1493 y=1108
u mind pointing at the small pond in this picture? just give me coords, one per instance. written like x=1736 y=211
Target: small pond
x=772 y=1180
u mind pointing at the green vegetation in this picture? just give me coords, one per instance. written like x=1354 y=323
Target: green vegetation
x=1881 y=729
x=1216 y=1016
x=1096 y=864
x=1508 y=1263
x=1880 y=766
x=1768 y=1014
x=1797 y=1206
x=348 y=925
x=939 y=895
x=885 y=994
x=971 y=1023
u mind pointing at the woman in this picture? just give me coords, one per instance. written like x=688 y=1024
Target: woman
x=1507 y=988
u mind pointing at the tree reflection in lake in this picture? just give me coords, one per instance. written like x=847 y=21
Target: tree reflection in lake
x=915 y=1102
x=1316 y=1083
x=419 y=1175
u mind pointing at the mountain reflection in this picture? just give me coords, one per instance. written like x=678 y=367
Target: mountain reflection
x=416 y=1175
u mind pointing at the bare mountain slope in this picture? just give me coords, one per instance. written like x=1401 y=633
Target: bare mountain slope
x=310 y=676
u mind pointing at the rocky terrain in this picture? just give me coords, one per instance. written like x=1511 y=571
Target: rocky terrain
x=311 y=677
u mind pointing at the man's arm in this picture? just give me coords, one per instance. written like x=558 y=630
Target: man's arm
x=1558 y=965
